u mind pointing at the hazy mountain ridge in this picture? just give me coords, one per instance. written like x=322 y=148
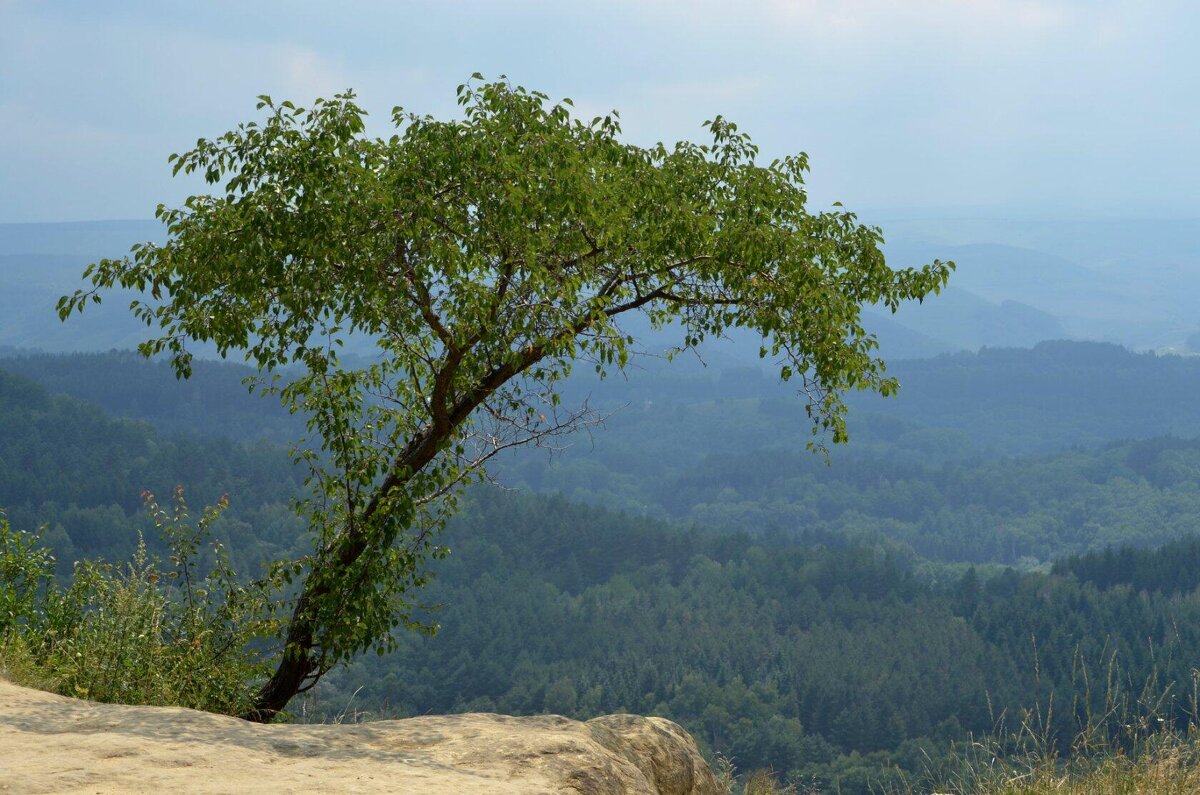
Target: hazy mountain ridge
x=1125 y=280
x=998 y=401
x=40 y=262
x=958 y=320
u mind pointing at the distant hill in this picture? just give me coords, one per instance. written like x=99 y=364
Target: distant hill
x=958 y=320
x=40 y=262
x=71 y=466
x=1084 y=303
x=1019 y=282
x=1002 y=401
x=30 y=285
x=215 y=401
x=1055 y=395
x=1126 y=280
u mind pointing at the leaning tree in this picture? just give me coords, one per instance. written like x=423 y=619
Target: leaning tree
x=483 y=258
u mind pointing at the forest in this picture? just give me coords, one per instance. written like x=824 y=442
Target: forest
x=838 y=621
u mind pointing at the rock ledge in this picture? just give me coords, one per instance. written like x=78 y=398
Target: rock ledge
x=54 y=744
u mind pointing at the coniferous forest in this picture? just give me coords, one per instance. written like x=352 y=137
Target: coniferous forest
x=840 y=621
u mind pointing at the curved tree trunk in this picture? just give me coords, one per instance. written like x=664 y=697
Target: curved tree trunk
x=298 y=669
x=294 y=668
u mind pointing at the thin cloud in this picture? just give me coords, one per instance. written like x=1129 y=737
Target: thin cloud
x=899 y=102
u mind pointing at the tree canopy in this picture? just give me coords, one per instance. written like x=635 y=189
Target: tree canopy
x=485 y=257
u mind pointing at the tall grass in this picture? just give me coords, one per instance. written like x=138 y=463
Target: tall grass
x=1125 y=741
x=755 y=782
x=142 y=632
x=1163 y=763
x=1110 y=737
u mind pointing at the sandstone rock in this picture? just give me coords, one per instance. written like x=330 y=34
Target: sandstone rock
x=664 y=752
x=53 y=744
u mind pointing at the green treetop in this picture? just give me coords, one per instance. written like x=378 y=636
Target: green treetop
x=485 y=257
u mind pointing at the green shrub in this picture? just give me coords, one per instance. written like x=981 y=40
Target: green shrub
x=25 y=568
x=141 y=632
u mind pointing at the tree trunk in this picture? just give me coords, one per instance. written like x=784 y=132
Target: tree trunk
x=295 y=665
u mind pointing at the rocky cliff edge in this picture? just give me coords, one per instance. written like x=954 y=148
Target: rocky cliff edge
x=53 y=744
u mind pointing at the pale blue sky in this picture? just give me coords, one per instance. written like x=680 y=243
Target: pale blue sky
x=1031 y=107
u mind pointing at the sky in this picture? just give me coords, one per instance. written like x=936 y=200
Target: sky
x=1007 y=108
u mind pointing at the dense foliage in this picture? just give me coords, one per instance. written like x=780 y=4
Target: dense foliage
x=214 y=402
x=1050 y=397
x=485 y=256
x=71 y=467
x=712 y=451
x=1016 y=511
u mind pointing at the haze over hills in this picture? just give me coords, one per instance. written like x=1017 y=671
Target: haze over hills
x=41 y=262
x=1017 y=283
x=30 y=285
x=997 y=402
x=1135 y=281
x=958 y=320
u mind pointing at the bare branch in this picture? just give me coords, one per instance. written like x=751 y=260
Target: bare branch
x=488 y=446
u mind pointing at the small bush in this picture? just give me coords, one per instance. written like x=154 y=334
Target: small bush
x=25 y=568
x=137 y=633
x=756 y=782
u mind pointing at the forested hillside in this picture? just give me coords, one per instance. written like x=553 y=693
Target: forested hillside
x=1048 y=398
x=70 y=466
x=829 y=661
x=215 y=401
x=721 y=457
x=1025 y=510
x=816 y=618
x=1052 y=397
